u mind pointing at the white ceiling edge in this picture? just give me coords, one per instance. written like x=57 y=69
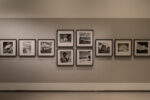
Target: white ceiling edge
x=74 y=18
x=39 y=17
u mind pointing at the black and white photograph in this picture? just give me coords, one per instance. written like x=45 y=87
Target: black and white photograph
x=104 y=47
x=123 y=47
x=27 y=47
x=65 y=57
x=85 y=38
x=8 y=47
x=65 y=38
x=84 y=57
x=142 y=47
x=46 y=47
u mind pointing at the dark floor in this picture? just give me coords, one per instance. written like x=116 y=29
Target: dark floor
x=74 y=95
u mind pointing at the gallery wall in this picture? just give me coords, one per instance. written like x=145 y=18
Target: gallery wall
x=105 y=69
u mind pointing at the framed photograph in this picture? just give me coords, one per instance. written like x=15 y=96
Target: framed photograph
x=142 y=47
x=8 y=47
x=123 y=47
x=104 y=47
x=85 y=38
x=65 y=57
x=84 y=57
x=27 y=47
x=46 y=47
x=65 y=38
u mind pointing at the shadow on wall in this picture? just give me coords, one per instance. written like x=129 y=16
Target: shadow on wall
x=20 y=6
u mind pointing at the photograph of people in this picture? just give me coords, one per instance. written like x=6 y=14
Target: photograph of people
x=65 y=57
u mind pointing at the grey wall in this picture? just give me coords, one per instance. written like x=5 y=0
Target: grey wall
x=74 y=9
x=45 y=70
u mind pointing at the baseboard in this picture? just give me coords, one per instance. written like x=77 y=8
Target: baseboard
x=74 y=86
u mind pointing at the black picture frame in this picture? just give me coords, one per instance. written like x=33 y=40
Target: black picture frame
x=61 y=45
x=111 y=50
x=123 y=55
x=78 y=45
x=34 y=54
x=84 y=65
x=141 y=55
x=57 y=58
x=46 y=55
x=15 y=55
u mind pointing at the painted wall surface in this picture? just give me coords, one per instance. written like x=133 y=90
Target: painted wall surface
x=44 y=70
x=74 y=9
